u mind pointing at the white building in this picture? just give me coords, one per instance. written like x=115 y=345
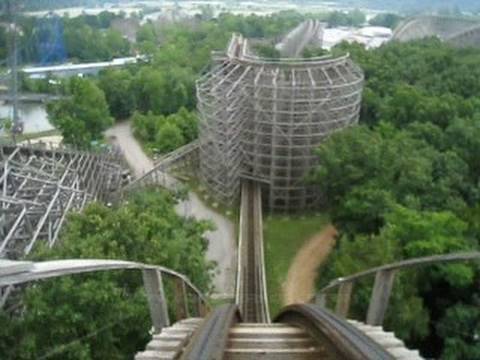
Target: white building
x=370 y=36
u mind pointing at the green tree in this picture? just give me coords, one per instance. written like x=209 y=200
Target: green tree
x=387 y=20
x=166 y=133
x=105 y=315
x=310 y=52
x=406 y=234
x=169 y=137
x=406 y=184
x=117 y=86
x=464 y=136
x=460 y=327
x=351 y=18
x=83 y=116
x=3 y=43
x=361 y=174
x=164 y=92
x=267 y=51
x=146 y=126
x=117 y=45
x=187 y=122
x=147 y=33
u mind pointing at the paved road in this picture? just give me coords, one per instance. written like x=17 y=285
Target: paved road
x=136 y=158
x=222 y=242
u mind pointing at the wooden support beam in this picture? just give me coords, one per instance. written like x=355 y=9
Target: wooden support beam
x=321 y=299
x=380 y=297
x=153 y=283
x=343 y=299
x=181 y=299
x=201 y=309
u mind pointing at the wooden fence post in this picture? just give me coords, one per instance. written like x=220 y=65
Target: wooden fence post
x=321 y=300
x=181 y=300
x=153 y=283
x=380 y=297
x=343 y=298
x=200 y=306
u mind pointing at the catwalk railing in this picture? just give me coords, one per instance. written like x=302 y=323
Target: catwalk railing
x=186 y=294
x=382 y=288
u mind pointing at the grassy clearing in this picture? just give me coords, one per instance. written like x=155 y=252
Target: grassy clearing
x=283 y=237
x=194 y=185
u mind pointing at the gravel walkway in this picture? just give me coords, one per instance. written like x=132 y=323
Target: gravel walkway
x=222 y=242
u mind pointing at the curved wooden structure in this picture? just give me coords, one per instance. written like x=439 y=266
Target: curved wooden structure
x=459 y=32
x=262 y=119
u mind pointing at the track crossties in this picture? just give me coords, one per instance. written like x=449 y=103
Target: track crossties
x=251 y=292
x=261 y=119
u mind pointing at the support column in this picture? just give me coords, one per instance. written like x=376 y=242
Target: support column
x=200 y=307
x=153 y=283
x=380 y=297
x=321 y=300
x=343 y=298
x=181 y=301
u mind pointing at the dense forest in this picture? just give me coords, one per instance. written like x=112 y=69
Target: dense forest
x=105 y=315
x=406 y=183
x=83 y=38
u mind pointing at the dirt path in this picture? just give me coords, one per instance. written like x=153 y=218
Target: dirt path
x=300 y=284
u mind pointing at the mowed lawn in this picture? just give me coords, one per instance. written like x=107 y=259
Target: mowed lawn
x=283 y=237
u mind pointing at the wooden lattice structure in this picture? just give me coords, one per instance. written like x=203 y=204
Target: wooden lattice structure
x=261 y=119
x=40 y=186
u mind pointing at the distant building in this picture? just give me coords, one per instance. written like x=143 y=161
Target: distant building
x=370 y=36
x=67 y=70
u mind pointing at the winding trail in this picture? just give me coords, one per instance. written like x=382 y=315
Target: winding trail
x=222 y=242
x=299 y=286
x=122 y=136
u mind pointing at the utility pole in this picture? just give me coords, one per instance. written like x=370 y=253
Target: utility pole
x=17 y=126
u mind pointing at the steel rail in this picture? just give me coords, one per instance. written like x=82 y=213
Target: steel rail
x=340 y=337
x=210 y=340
